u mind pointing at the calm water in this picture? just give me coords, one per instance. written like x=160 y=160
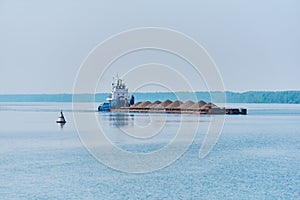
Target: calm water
x=256 y=157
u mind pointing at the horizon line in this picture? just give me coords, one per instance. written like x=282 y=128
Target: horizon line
x=149 y=92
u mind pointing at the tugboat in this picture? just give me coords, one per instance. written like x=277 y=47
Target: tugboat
x=119 y=97
x=61 y=119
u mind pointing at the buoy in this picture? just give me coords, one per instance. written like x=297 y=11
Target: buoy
x=61 y=119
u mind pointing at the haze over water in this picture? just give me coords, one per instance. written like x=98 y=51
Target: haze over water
x=256 y=157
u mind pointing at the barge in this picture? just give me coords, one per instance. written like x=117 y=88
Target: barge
x=119 y=100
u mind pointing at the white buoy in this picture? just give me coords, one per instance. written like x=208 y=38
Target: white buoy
x=61 y=119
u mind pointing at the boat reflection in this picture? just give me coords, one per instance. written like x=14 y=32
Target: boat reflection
x=61 y=125
x=121 y=119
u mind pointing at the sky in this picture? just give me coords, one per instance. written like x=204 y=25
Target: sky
x=255 y=44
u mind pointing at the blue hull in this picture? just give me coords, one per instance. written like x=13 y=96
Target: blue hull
x=104 y=107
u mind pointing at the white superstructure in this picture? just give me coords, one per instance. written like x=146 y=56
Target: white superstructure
x=119 y=96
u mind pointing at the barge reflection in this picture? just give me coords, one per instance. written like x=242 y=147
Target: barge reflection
x=121 y=119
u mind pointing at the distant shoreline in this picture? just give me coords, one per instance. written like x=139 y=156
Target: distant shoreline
x=285 y=97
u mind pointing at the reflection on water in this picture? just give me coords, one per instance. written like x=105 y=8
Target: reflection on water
x=61 y=125
x=121 y=119
x=150 y=128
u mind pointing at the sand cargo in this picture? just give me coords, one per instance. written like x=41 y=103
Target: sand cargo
x=188 y=107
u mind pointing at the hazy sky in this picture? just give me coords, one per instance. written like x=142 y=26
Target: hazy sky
x=255 y=44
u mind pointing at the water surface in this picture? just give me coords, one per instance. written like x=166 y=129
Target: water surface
x=256 y=157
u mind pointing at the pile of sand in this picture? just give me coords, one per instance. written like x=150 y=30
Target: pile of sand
x=135 y=105
x=208 y=106
x=143 y=104
x=175 y=104
x=154 y=104
x=164 y=104
x=187 y=104
x=198 y=105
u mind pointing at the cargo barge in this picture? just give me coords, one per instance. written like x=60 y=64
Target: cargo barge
x=119 y=100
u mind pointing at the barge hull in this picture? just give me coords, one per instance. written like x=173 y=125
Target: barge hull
x=214 y=111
